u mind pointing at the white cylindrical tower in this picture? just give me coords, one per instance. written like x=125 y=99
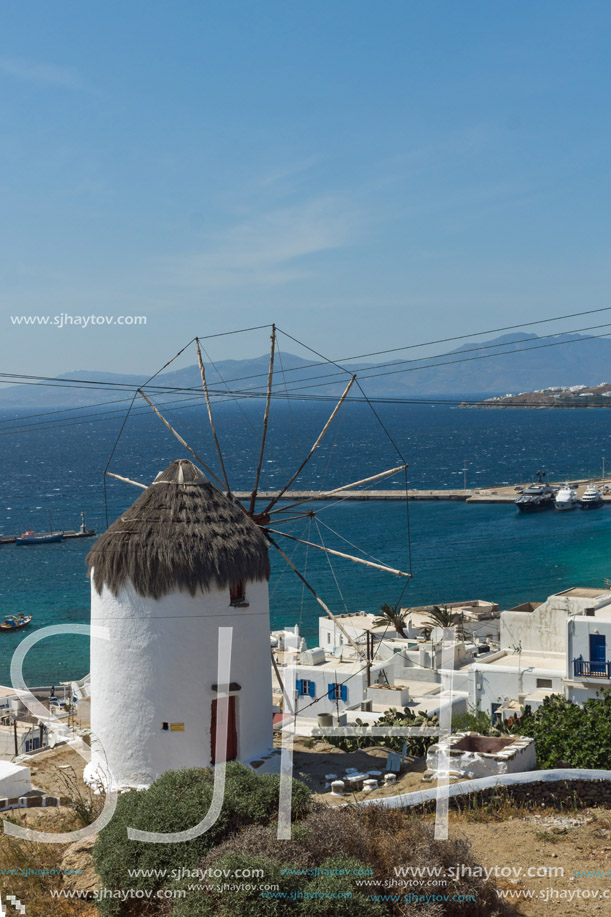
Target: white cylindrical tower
x=180 y=563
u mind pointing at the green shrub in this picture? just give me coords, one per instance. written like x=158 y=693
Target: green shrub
x=393 y=720
x=372 y=841
x=249 y=901
x=306 y=896
x=337 y=895
x=565 y=734
x=573 y=735
x=473 y=721
x=178 y=800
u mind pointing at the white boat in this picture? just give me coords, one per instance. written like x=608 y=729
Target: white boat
x=591 y=497
x=566 y=498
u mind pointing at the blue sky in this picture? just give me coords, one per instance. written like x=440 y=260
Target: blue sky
x=364 y=174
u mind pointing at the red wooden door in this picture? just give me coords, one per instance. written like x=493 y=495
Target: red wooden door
x=225 y=707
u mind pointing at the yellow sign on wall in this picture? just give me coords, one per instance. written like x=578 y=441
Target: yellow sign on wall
x=177 y=727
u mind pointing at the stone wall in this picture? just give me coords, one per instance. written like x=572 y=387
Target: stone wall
x=33 y=802
x=559 y=794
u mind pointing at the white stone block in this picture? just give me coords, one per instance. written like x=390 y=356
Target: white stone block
x=15 y=780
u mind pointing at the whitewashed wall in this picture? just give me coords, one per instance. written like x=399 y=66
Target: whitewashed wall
x=15 y=779
x=489 y=683
x=578 y=644
x=160 y=665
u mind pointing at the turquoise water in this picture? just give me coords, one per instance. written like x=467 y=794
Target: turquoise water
x=457 y=551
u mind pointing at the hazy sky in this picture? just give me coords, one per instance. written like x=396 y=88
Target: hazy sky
x=366 y=174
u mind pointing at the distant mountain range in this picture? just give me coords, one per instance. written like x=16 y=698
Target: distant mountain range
x=511 y=363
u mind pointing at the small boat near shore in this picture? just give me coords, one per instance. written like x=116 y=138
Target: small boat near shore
x=15 y=622
x=591 y=498
x=31 y=537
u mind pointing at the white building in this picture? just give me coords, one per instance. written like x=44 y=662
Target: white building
x=403 y=671
x=23 y=733
x=551 y=647
x=181 y=563
x=332 y=686
x=560 y=646
x=588 y=653
x=480 y=622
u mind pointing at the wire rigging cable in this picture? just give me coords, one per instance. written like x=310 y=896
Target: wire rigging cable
x=332 y=568
x=294 y=391
x=120 y=433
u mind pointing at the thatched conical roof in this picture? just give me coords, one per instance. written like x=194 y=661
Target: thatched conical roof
x=181 y=533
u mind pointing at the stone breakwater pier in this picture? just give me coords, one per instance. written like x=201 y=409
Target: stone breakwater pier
x=502 y=494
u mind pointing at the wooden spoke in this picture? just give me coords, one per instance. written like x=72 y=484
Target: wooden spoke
x=309 y=515
x=270 y=376
x=325 y=607
x=314 y=447
x=181 y=440
x=338 y=490
x=210 y=417
x=126 y=480
x=357 y=560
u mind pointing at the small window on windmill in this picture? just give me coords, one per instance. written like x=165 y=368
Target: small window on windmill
x=237 y=595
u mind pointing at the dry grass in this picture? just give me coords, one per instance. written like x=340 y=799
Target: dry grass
x=34 y=889
x=502 y=806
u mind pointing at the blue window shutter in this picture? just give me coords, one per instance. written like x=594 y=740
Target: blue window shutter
x=312 y=689
x=299 y=684
x=344 y=692
x=331 y=692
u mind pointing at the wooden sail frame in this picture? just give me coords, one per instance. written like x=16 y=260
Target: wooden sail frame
x=313 y=449
x=263 y=518
x=270 y=377
x=339 y=490
x=219 y=451
x=356 y=560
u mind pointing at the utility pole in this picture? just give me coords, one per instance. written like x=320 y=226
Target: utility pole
x=15 y=735
x=369 y=637
x=464 y=471
x=603 y=477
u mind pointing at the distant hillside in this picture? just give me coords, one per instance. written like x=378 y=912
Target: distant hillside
x=511 y=363
x=575 y=396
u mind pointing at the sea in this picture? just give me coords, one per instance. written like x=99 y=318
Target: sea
x=53 y=469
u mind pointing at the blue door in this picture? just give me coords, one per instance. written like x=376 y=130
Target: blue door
x=598 y=654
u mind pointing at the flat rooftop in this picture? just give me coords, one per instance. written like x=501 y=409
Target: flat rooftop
x=555 y=662
x=418 y=688
x=585 y=592
x=346 y=667
x=361 y=621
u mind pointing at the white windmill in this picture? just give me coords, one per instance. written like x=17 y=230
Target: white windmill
x=187 y=558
